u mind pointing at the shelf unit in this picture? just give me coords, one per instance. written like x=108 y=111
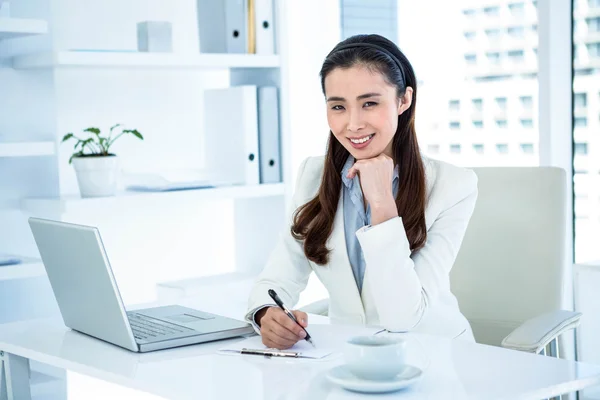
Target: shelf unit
x=134 y=59
x=45 y=386
x=61 y=205
x=11 y=28
x=28 y=268
x=27 y=149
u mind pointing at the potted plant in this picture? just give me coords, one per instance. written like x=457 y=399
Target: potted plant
x=95 y=166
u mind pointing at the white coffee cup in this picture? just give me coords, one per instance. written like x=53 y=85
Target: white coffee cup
x=375 y=357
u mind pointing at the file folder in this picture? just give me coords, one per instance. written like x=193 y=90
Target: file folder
x=231 y=135
x=212 y=33
x=236 y=26
x=268 y=135
x=264 y=25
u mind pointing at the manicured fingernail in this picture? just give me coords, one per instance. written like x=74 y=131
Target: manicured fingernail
x=303 y=320
x=302 y=334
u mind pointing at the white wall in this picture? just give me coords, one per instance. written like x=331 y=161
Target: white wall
x=313 y=29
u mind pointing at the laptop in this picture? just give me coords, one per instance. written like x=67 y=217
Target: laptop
x=89 y=300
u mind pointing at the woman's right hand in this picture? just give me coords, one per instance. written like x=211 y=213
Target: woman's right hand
x=278 y=330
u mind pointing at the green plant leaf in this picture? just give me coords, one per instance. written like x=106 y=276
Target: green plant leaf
x=67 y=137
x=135 y=133
x=93 y=130
x=79 y=153
x=115 y=126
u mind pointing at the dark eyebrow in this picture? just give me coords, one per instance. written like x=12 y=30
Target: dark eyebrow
x=362 y=96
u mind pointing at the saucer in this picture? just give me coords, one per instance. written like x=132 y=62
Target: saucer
x=342 y=376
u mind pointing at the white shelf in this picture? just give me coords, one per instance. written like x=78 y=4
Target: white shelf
x=45 y=385
x=27 y=149
x=11 y=28
x=28 y=268
x=60 y=205
x=143 y=60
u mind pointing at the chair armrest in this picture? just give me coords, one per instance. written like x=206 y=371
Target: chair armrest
x=534 y=334
x=320 y=307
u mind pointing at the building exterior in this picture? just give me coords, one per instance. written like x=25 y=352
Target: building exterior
x=489 y=115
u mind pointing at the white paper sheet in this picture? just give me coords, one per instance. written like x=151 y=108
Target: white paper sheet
x=328 y=339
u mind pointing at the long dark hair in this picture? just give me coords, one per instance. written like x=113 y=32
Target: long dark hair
x=313 y=221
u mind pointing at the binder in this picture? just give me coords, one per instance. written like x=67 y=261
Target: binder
x=264 y=25
x=212 y=32
x=236 y=26
x=268 y=135
x=231 y=135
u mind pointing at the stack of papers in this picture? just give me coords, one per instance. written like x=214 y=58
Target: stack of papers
x=167 y=181
x=328 y=340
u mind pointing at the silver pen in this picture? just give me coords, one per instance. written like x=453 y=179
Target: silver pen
x=270 y=353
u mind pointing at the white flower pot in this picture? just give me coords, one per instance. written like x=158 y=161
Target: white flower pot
x=97 y=176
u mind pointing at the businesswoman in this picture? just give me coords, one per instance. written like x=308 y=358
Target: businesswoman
x=378 y=223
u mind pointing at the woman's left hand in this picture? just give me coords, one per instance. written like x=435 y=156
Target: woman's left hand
x=376 y=176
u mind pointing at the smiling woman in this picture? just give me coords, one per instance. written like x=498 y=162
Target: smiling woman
x=378 y=223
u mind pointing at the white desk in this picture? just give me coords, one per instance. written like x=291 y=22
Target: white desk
x=453 y=369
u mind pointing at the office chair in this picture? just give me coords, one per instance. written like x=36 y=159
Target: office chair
x=512 y=270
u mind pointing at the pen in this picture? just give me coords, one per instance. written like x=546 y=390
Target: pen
x=278 y=301
x=270 y=353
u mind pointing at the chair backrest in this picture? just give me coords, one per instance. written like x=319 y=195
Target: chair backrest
x=512 y=262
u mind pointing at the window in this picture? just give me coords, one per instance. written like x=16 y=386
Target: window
x=516 y=55
x=526 y=102
x=477 y=104
x=501 y=102
x=580 y=122
x=516 y=31
x=478 y=148
x=527 y=148
x=517 y=9
x=492 y=11
x=527 y=123
x=502 y=148
x=492 y=78
x=360 y=17
x=493 y=57
x=471 y=59
x=478 y=70
x=455 y=148
x=593 y=49
x=492 y=33
x=593 y=24
x=586 y=163
x=433 y=148
x=581 y=148
x=580 y=100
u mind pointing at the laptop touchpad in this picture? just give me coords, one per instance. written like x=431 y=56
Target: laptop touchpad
x=185 y=318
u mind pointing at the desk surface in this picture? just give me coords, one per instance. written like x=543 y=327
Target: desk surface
x=453 y=369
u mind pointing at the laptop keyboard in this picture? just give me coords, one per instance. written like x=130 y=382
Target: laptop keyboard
x=145 y=327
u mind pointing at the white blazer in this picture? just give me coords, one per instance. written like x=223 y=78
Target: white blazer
x=402 y=291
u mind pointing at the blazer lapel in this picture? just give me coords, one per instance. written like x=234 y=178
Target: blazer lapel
x=341 y=269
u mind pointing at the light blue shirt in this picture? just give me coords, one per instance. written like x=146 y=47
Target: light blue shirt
x=355 y=217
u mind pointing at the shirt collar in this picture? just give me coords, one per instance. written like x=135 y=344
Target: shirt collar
x=350 y=162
